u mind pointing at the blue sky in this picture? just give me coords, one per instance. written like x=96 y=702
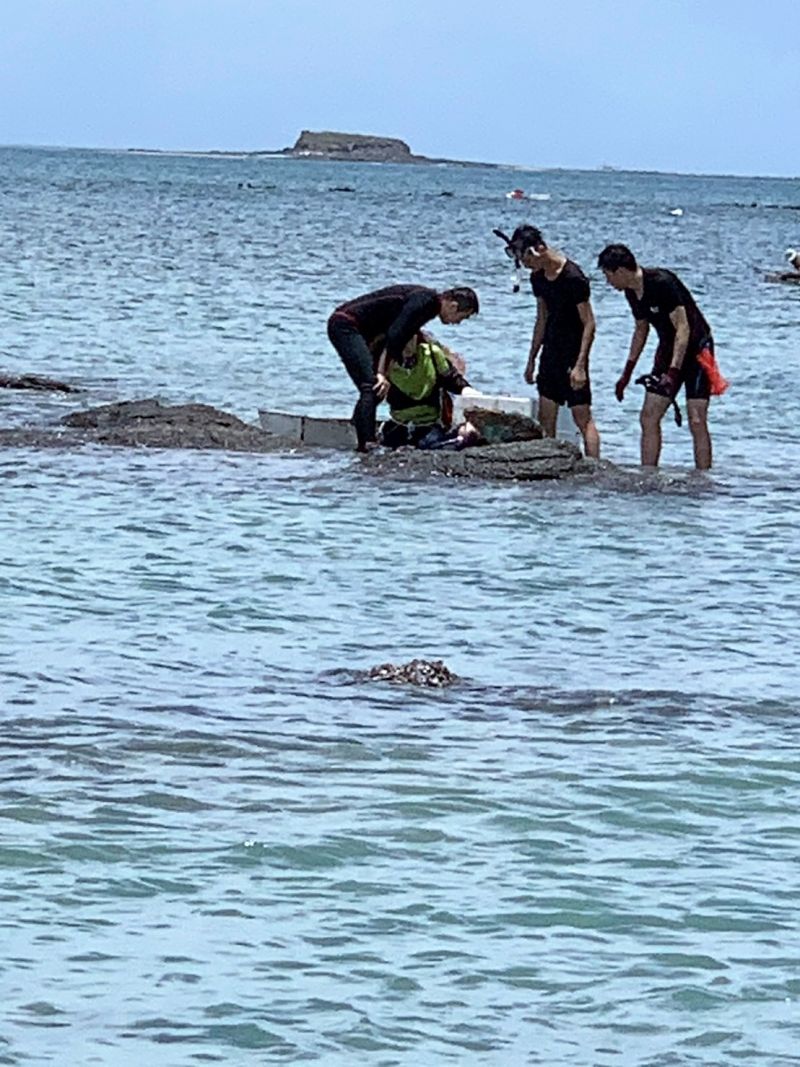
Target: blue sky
x=700 y=86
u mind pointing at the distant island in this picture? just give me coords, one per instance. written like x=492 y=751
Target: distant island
x=357 y=148
x=337 y=147
x=352 y=147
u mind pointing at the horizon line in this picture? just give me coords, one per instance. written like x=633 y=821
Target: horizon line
x=279 y=153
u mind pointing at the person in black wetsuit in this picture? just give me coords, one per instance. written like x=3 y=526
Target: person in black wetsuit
x=371 y=331
x=684 y=356
x=563 y=333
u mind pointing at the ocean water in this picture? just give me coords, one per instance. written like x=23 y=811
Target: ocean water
x=218 y=842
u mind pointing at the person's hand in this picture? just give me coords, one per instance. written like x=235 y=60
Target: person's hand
x=381 y=386
x=623 y=381
x=578 y=377
x=669 y=382
x=530 y=370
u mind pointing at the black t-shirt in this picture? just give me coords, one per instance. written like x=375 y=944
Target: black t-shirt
x=397 y=313
x=663 y=291
x=563 y=330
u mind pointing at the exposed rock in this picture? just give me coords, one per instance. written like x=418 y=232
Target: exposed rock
x=150 y=424
x=361 y=148
x=519 y=461
x=355 y=146
x=153 y=425
x=36 y=382
x=350 y=146
x=421 y=672
x=500 y=427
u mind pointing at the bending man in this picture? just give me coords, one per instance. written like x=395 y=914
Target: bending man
x=371 y=331
x=685 y=353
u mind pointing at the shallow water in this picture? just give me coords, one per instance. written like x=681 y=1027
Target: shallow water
x=219 y=843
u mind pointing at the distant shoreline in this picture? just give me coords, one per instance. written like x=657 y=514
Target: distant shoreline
x=221 y=153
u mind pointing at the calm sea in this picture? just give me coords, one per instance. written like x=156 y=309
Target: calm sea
x=218 y=843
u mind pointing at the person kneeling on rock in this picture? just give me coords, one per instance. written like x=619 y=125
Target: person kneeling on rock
x=420 y=408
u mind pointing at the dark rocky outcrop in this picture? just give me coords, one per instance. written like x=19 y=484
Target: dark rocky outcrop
x=431 y=674
x=361 y=148
x=154 y=425
x=149 y=424
x=500 y=427
x=519 y=461
x=37 y=383
x=785 y=277
x=358 y=147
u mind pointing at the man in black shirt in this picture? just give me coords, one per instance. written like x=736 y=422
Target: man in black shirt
x=684 y=356
x=564 y=332
x=371 y=331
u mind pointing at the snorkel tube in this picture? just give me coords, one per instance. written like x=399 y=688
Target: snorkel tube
x=517 y=276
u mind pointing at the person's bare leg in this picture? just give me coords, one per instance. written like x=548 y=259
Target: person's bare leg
x=548 y=416
x=701 y=438
x=582 y=416
x=650 y=419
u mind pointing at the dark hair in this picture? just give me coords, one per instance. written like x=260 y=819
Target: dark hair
x=464 y=298
x=615 y=256
x=526 y=237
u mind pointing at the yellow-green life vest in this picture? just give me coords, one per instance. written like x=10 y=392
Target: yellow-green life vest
x=420 y=382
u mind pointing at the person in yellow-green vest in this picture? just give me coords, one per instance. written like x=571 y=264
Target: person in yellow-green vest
x=420 y=409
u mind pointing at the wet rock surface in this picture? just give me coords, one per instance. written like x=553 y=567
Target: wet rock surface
x=150 y=424
x=521 y=461
x=500 y=427
x=36 y=382
x=432 y=674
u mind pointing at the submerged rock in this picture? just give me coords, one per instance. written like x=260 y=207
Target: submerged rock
x=422 y=672
x=784 y=277
x=37 y=383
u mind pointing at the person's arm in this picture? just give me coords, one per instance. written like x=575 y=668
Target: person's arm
x=452 y=381
x=536 y=340
x=420 y=307
x=638 y=341
x=670 y=380
x=382 y=383
x=579 y=375
x=680 y=321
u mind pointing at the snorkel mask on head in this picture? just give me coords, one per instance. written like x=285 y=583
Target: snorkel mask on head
x=513 y=253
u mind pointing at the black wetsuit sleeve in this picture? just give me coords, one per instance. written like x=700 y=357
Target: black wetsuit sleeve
x=418 y=309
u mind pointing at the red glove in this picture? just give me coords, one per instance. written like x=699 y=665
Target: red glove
x=624 y=379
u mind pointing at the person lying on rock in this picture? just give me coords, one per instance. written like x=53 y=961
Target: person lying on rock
x=370 y=332
x=420 y=387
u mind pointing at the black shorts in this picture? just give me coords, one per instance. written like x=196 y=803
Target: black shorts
x=552 y=381
x=693 y=378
